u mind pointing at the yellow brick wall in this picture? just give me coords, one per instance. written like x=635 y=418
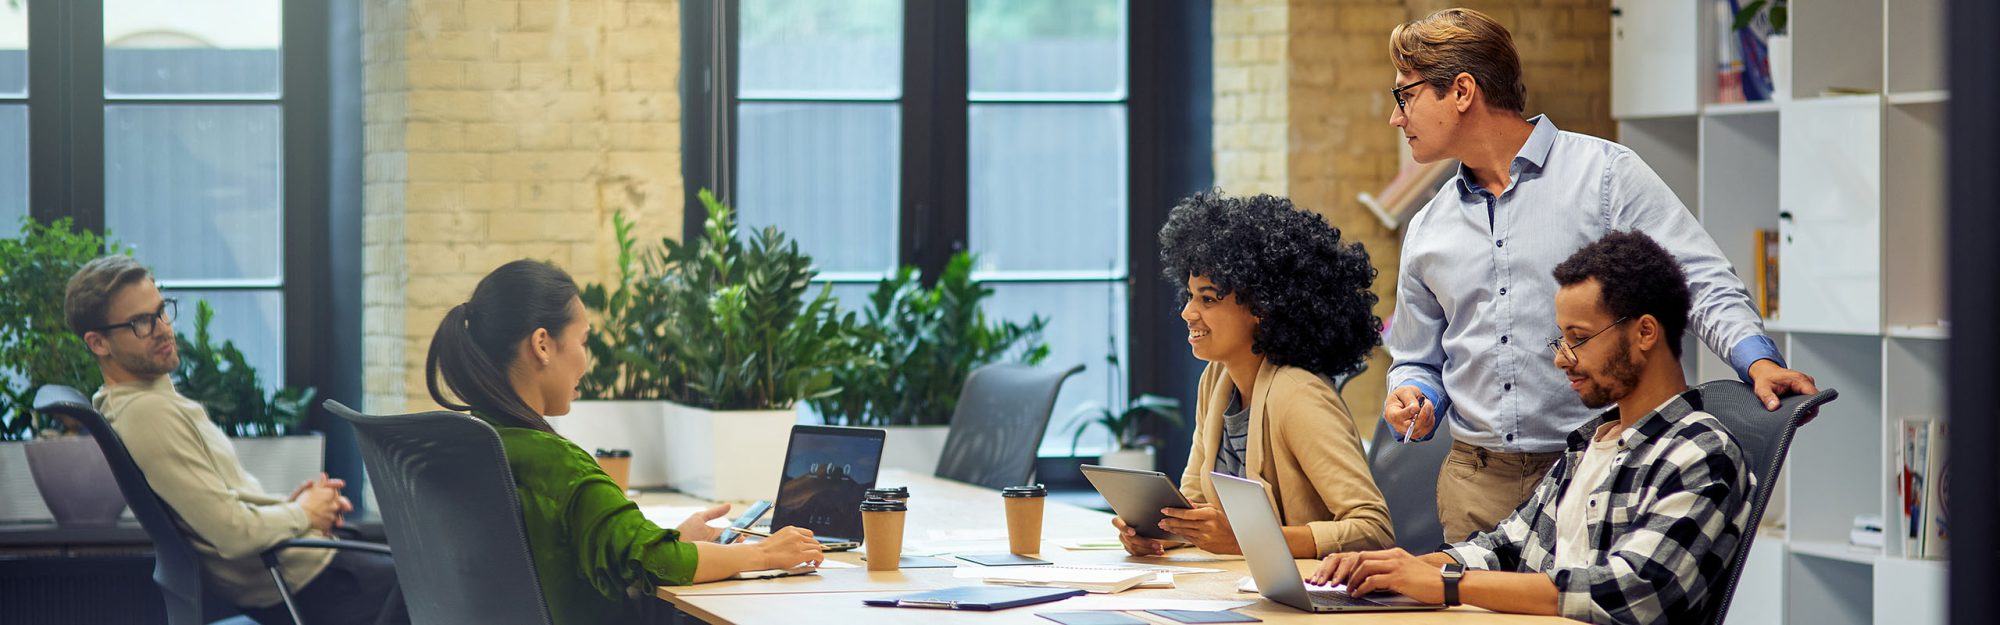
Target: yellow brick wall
x=1250 y=103
x=499 y=130
x=1325 y=118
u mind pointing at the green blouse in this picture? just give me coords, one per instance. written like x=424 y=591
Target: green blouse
x=596 y=555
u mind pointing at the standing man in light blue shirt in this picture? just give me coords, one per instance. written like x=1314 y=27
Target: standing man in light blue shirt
x=1474 y=307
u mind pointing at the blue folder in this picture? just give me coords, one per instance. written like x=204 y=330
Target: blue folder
x=983 y=598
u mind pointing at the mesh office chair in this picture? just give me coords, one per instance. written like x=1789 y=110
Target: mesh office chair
x=176 y=566
x=1407 y=475
x=1765 y=437
x=1002 y=413
x=449 y=506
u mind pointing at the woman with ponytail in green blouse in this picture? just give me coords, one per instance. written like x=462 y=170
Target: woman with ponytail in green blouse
x=512 y=355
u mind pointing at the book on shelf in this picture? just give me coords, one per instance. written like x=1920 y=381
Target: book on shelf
x=1936 y=496
x=1920 y=487
x=1743 y=67
x=1766 y=247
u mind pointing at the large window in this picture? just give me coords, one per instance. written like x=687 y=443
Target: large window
x=194 y=132
x=880 y=134
x=193 y=114
x=13 y=116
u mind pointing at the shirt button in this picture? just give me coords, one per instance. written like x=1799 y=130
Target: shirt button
x=1510 y=437
x=1503 y=291
x=1503 y=341
x=1507 y=387
x=1501 y=243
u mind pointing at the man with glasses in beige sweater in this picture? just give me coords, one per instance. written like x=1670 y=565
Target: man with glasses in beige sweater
x=113 y=304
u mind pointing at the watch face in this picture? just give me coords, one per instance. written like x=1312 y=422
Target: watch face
x=1453 y=569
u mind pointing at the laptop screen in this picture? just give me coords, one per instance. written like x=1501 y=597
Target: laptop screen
x=827 y=472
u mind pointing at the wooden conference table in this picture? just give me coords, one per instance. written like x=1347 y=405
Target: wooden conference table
x=947 y=516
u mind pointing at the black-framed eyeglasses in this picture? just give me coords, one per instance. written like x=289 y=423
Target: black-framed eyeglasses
x=143 y=326
x=1567 y=350
x=1397 y=93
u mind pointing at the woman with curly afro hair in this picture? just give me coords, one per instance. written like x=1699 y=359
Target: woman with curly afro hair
x=1277 y=305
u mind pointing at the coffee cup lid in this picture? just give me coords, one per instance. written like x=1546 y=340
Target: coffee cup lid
x=1030 y=490
x=883 y=505
x=897 y=492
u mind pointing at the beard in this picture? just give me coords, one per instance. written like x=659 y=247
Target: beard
x=1616 y=381
x=148 y=363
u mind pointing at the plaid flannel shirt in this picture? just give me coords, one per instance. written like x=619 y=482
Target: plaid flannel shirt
x=1662 y=528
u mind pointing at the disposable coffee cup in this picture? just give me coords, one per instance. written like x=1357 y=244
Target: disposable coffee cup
x=1024 y=517
x=616 y=463
x=882 y=533
x=899 y=493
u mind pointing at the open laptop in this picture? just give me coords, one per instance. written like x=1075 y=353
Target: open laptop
x=828 y=470
x=1260 y=535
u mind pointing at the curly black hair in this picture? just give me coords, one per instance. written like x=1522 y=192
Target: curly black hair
x=1289 y=266
x=1638 y=278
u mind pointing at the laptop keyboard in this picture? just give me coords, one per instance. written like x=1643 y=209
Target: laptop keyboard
x=1338 y=598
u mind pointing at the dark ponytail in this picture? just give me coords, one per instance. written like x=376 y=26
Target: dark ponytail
x=478 y=340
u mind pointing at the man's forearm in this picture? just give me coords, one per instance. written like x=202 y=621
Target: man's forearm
x=1515 y=593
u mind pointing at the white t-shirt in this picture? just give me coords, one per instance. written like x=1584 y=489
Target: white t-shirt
x=1576 y=510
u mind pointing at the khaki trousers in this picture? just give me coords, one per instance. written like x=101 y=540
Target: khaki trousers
x=1478 y=487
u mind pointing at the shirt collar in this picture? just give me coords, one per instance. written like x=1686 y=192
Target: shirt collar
x=1535 y=151
x=1646 y=429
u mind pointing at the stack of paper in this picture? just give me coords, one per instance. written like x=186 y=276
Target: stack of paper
x=1095 y=580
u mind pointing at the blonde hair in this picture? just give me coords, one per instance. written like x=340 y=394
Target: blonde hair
x=1447 y=43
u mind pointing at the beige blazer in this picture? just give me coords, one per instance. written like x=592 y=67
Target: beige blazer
x=1304 y=446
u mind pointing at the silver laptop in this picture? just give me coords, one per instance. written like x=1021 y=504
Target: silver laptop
x=1259 y=533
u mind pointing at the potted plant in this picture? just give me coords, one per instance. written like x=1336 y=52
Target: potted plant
x=267 y=430
x=734 y=344
x=1130 y=424
x=920 y=344
x=37 y=348
x=621 y=406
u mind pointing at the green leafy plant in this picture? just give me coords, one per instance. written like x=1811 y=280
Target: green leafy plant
x=224 y=382
x=36 y=345
x=1779 y=14
x=1129 y=423
x=722 y=322
x=629 y=319
x=920 y=345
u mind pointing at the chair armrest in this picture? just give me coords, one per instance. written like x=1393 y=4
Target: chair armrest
x=270 y=555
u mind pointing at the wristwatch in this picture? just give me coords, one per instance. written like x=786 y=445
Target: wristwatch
x=1452 y=573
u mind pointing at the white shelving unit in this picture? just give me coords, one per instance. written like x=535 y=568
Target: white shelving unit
x=1855 y=185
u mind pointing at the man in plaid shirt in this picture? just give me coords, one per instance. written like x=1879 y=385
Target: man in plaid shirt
x=1647 y=505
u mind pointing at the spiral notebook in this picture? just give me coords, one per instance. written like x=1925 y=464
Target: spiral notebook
x=978 y=598
x=1096 y=580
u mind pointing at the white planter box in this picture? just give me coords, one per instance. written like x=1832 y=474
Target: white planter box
x=621 y=424
x=1134 y=459
x=735 y=455
x=914 y=448
x=281 y=463
x=19 y=501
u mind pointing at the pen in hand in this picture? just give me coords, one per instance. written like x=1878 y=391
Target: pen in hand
x=1409 y=432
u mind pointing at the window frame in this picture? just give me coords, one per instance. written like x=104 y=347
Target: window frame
x=319 y=103
x=1167 y=104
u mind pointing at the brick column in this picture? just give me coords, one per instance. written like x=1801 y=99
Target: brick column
x=498 y=130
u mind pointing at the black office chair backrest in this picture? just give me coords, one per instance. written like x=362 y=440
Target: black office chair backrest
x=449 y=506
x=1407 y=474
x=1002 y=413
x=1765 y=437
x=176 y=566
